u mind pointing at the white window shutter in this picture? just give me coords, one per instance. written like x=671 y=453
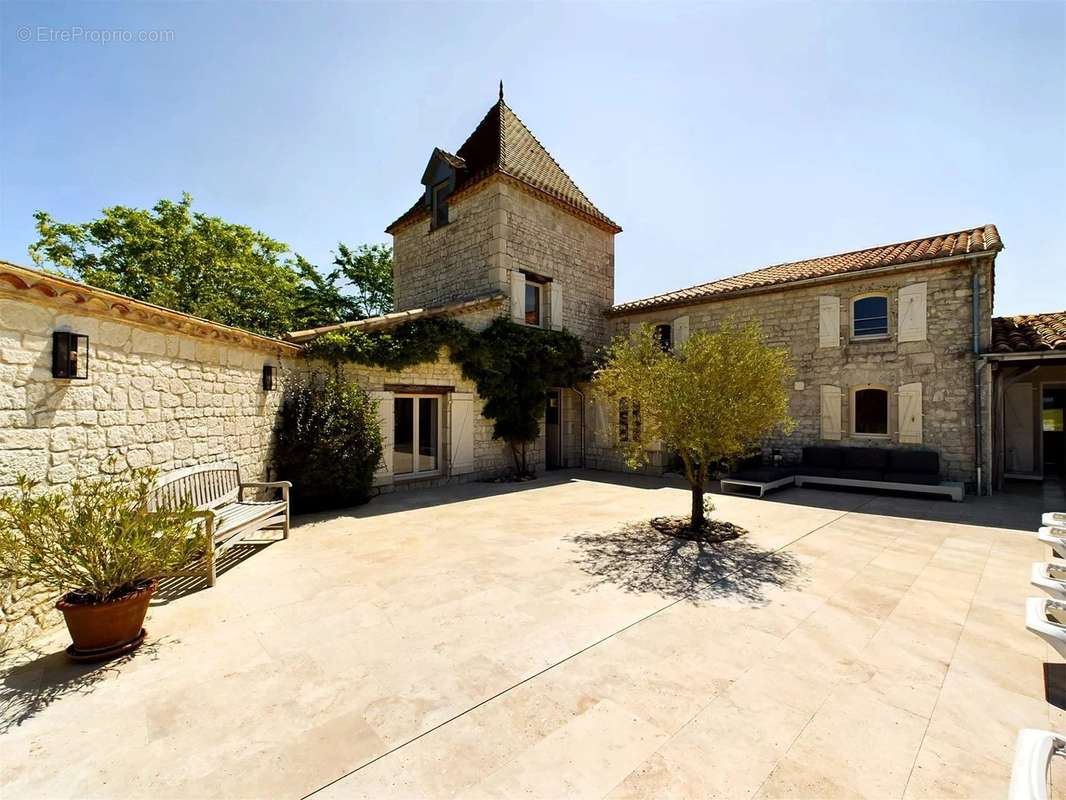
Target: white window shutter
x=555 y=298
x=831 y=412
x=462 y=433
x=828 y=321
x=679 y=331
x=601 y=429
x=910 y=413
x=384 y=401
x=912 y=311
x=518 y=296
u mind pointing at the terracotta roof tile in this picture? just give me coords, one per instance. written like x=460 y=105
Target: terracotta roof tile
x=1029 y=333
x=502 y=144
x=975 y=240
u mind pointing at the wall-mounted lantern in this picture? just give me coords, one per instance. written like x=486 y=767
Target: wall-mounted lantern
x=268 y=377
x=70 y=355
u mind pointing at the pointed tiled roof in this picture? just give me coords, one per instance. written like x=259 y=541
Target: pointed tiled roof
x=1029 y=333
x=502 y=144
x=984 y=239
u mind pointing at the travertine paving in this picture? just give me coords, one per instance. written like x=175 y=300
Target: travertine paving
x=538 y=641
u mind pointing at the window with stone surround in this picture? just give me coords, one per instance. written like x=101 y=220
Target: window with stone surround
x=628 y=420
x=664 y=337
x=534 y=297
x=439 y=203
x=869 y=316
x=869 y=411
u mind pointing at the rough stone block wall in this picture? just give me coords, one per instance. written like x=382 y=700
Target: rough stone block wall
x=943 y=363
x=432 y=267
x=542 y=238
x=153 y=398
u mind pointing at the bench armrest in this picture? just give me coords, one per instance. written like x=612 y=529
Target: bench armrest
x=283 y=485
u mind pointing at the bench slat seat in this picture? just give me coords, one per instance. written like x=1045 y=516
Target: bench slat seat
x=217 y=492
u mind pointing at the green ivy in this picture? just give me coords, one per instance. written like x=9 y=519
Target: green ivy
x=513 y=366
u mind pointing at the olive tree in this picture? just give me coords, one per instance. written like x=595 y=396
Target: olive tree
x=709 y=399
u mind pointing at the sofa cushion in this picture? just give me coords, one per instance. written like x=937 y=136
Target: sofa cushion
x=826 y=457
x=866 y=458
x=818 y=472
x=861 y=474
x=927 y=461
x=925 y=478
x=763 y=474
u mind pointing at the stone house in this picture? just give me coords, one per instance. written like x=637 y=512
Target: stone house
x=892 y=345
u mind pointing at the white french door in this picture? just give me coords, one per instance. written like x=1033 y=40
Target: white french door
x=416 y=434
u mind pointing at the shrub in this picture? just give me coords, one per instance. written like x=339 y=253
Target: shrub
x=328 y=444
x=97 y=541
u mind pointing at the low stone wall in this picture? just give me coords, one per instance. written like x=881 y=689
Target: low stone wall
x=156 y=395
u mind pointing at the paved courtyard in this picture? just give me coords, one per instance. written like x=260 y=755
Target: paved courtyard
x=539 y=641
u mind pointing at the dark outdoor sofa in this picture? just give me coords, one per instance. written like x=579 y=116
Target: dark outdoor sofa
x=885 y=468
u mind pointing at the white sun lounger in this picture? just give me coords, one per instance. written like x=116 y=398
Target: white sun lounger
x=1032 y=758
x=1054 y=519
x=1047 y=619
x=1053 y=539
x=1049 y=577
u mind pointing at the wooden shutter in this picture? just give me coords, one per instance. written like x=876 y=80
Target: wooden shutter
x=518 y=297
x=831 y=412
x=912 y=302
x=384 y=400
x=462 y=433
x=828 y=321
x=601 y=429
x=555 y=309
x=910 y=413
x=679 y=332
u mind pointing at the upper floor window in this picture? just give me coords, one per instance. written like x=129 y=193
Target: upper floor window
x=534 y=295
x=664 y=337
x=869 y=316
x=439 y=204
x=870 y=411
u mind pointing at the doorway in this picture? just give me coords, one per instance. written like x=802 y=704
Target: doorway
x=553 y=430
x=1053 y=438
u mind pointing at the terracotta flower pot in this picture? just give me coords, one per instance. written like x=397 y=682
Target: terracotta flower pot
x=105 y=630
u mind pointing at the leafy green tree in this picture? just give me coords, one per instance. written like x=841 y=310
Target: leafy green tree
x=182 y=259
x=328 y=443
x=179 y=259
x=711 y=399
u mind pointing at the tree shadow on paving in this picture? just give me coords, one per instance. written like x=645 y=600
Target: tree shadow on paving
x=639 y=559
x=32 y=686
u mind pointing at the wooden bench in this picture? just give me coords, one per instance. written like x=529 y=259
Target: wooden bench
x=217 y=491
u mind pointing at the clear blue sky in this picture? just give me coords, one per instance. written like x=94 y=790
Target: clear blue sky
x=721 y=137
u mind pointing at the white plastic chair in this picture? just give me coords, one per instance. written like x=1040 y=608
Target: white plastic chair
x=1032 y=758
x=1049 y=577
x=1055 y=538
x=1047 y=619
x=1055 y=519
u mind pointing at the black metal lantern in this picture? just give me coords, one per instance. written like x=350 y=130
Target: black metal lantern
x=268 y=377
x=70 y=355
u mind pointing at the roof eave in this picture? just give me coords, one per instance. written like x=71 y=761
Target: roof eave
x=622 y=310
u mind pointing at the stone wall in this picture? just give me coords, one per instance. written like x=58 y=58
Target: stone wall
x=451 y=262
x=544 y=239
x=943 y=363
x=154 y=397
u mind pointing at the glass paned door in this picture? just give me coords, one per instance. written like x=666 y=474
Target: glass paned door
x=416 y=435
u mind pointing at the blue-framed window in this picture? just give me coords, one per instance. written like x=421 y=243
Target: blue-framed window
x=870 y=316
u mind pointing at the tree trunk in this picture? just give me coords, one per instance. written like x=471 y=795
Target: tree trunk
x=698 y=520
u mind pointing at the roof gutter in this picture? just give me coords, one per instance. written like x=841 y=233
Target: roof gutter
x=789 y=285
x=1040 y=355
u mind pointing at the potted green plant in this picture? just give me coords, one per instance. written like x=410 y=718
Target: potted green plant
x=101 y=544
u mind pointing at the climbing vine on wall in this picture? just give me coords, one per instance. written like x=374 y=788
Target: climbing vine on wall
x=513 y=366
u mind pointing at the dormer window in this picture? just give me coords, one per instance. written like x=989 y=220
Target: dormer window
x=439 y=204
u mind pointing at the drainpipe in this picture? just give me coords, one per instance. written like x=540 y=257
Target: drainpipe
x=977 y=364
x=581 y=395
